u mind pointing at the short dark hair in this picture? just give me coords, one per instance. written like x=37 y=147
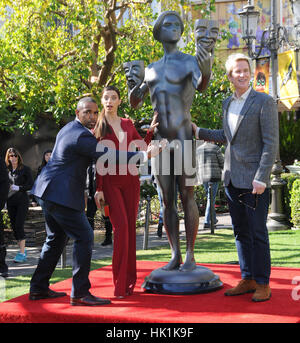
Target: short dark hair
x=83 y=101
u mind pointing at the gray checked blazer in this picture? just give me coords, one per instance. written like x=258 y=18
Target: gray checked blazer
x=251 y=150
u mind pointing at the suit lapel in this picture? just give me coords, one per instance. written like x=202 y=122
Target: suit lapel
x=225 y=123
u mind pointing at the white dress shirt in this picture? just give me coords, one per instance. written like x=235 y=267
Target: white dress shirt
x=235 y=109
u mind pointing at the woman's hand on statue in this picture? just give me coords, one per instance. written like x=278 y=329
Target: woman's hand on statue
x=155 y=147
x=99 y=199
x=154 y=122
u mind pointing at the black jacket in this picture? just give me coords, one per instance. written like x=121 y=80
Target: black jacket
x=22 y=178
x=4 y=183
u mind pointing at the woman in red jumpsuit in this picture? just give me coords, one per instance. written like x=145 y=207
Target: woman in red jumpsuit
x=120 y=192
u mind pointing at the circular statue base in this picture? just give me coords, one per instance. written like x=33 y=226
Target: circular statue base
x=198 y=280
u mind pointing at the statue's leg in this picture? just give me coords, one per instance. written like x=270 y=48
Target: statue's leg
x=185 y=180
x=171 y=221
x=191 y=221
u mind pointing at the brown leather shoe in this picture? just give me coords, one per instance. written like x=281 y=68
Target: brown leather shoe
x=262 y=293
x=89 y=300
x=243 y=287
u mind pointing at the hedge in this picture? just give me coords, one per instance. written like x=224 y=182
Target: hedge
x=295 y=203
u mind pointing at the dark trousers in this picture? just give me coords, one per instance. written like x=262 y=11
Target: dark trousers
x=251 y=233
x=91 y=210
x=3 y=265
x=17 y=208
x=61 y=223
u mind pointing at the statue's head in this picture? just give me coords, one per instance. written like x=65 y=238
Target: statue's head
x=206 y=33
x=134 y=72
x=164 y=29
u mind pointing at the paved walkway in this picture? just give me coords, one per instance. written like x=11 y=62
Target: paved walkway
x=100 y=252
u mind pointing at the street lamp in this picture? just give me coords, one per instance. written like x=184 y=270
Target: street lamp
x=249 y=19
x=296 y=12
x=272 y=38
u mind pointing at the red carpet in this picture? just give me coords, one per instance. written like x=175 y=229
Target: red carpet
x=156 y=308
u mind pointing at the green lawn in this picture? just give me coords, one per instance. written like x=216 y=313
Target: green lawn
x=220 y=248
x=217 y=248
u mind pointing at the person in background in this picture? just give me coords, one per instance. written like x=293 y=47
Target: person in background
x=45 y=159
x=211 y=168
x=4 y=187
x=250 y=132
x=21 y=181
x=120 y=191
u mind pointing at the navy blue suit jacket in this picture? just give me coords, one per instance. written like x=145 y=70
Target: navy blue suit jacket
x=63 y=179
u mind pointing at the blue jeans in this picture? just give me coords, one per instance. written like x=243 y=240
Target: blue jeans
x=214 y=186
x=251 y=233
x=63 y=222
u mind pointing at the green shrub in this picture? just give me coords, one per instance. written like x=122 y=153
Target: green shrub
x=5 y=220
x=295 y=203
x=289 y=138
x=147 y=189
x=289 y=178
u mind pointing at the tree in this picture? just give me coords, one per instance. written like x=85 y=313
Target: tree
x=54 y=51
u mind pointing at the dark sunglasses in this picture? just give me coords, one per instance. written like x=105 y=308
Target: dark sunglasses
x=13 y=155
x=245 y=203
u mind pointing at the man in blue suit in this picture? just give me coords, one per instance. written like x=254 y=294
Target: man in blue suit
x=60 y=188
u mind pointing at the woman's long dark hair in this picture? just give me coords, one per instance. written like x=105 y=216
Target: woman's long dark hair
x=102 y=127
x=42 y=165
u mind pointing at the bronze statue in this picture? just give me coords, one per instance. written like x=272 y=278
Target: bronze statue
x=206 y=34
x=172 y=82
x=135 y=73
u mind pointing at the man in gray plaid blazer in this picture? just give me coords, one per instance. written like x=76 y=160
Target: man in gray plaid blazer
x=250 y=132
